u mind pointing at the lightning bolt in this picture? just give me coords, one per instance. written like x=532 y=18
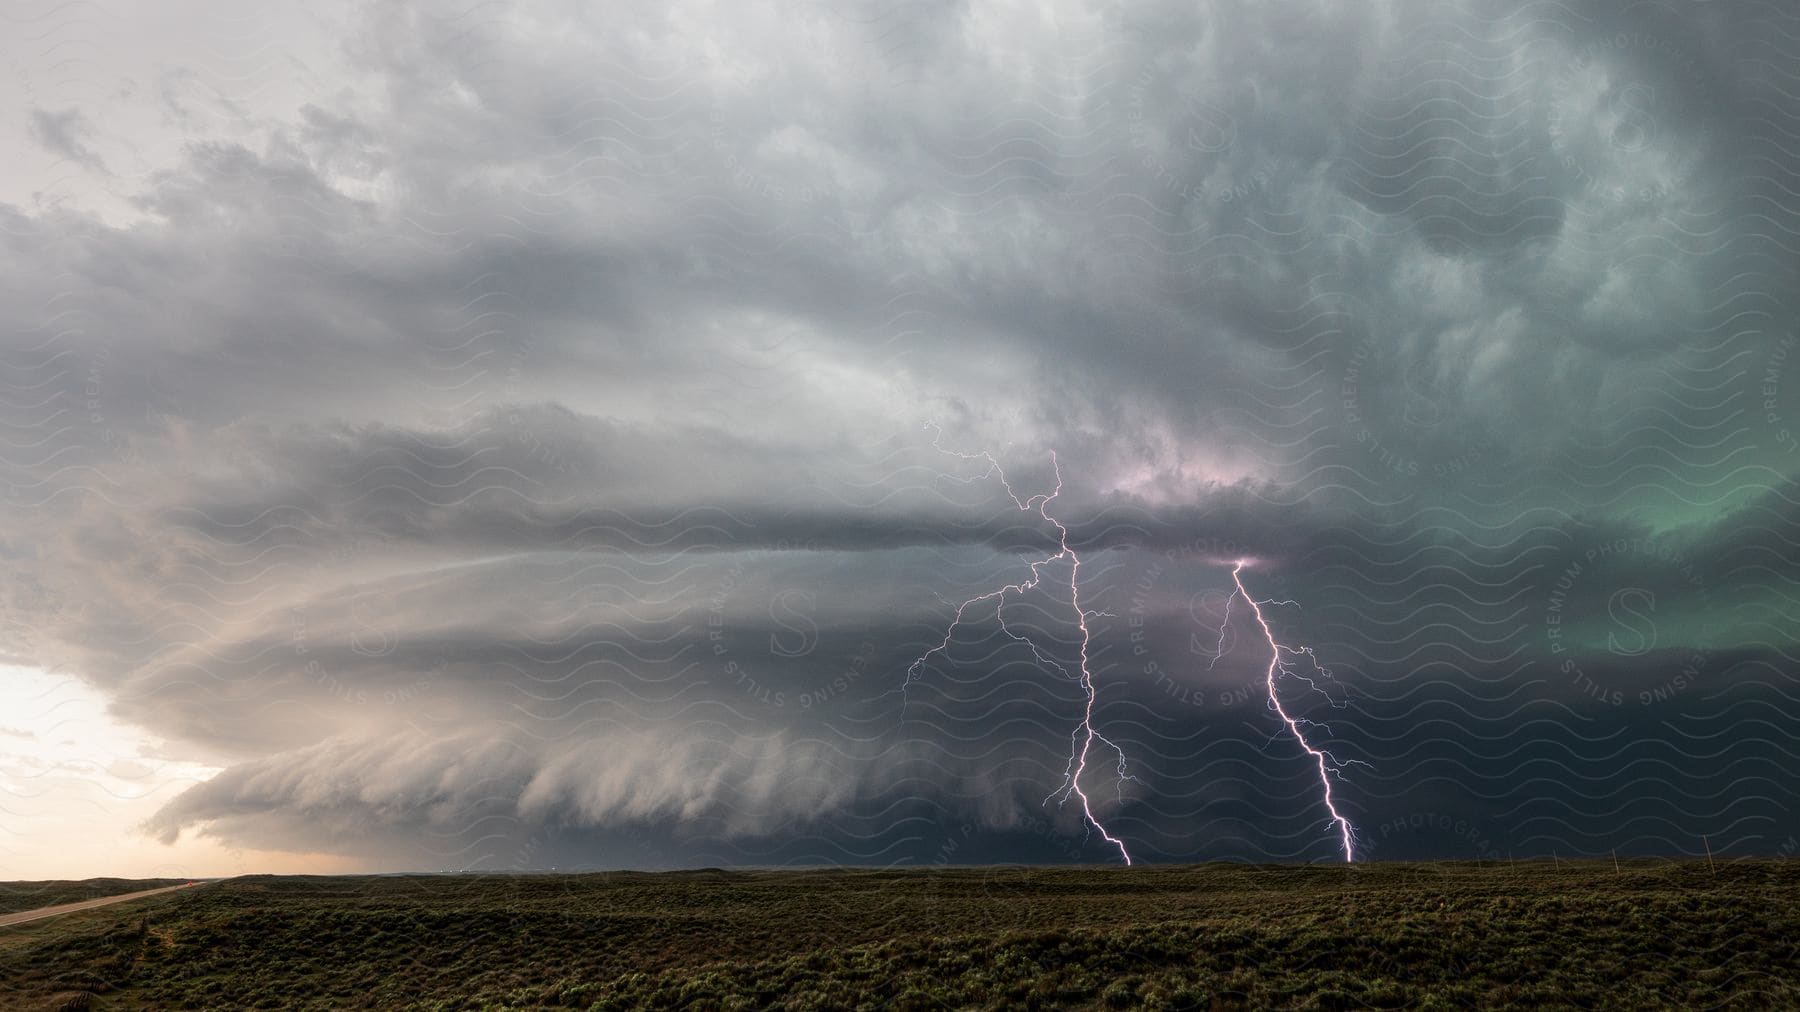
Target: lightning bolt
x=1327 y=763
x=1083 y=737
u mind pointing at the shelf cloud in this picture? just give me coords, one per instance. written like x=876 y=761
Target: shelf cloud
x=523 y=432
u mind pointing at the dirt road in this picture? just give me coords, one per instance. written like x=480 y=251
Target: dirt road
x=7 y=920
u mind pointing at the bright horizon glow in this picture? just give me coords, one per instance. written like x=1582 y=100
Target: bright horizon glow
x=75 y=783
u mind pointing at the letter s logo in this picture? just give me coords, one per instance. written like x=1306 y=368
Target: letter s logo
x=367 y=638
x=1632 y=609
x=1633 y=127
x=1208 y=610
x=1423 y=405
x=792 y=610
x=1210 y=128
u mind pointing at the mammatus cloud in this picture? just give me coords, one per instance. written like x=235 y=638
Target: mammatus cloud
x=515 y=424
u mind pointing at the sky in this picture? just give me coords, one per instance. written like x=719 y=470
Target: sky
x=566 y=435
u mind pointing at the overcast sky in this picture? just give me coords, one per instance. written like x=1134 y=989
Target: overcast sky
x=515 y=436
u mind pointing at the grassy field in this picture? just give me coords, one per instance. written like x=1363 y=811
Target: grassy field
x=16 y=896
x=1213 y=936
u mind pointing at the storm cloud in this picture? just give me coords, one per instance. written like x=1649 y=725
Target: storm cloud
x=529 y=437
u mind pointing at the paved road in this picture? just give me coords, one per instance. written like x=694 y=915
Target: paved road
x=22 y=916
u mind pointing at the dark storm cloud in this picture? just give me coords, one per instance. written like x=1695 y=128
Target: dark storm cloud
x=532 y=432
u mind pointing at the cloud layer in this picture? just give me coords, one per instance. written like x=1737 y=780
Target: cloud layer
x=520 y=436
